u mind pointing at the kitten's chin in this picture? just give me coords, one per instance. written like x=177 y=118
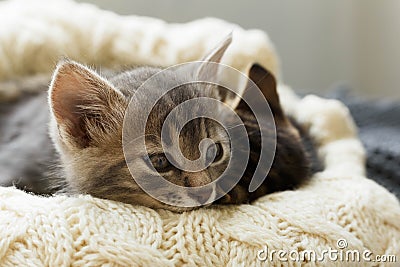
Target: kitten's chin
x=192 y=203
x=180 y=209
x=150 y=202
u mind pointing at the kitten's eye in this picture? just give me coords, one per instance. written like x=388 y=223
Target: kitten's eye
x=210 y=153
x=160 y=162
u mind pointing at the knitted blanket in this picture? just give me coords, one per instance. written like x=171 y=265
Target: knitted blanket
x=340 y=209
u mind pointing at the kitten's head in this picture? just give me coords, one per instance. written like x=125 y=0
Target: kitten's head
x=87 y=117
x=291 y=164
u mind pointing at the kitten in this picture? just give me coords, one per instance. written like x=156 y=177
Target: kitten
x=295 y=157
x=86 y=113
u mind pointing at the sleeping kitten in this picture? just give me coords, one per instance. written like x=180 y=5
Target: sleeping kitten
x=295 y=157
x=86 y=118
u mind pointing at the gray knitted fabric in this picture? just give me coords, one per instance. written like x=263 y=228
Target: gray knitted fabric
x=379 y=130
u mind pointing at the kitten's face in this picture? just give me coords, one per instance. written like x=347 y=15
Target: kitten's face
x=163 y=160
x=166 y=161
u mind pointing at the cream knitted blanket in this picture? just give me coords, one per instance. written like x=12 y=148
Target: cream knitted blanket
x=338 y=210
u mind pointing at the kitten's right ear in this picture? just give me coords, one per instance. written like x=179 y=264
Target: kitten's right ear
x=209 y=71
x=85 y=106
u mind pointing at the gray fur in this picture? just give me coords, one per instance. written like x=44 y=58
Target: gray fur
x=26 y=151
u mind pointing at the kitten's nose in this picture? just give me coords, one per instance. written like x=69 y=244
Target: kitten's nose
x=202 y=195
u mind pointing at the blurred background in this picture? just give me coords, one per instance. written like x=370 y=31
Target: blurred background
x=322 y=44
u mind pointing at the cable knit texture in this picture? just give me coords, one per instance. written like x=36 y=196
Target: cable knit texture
x=338 y=203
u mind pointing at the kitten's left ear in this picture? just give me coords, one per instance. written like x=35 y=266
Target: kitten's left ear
x=210 y=71
x=85 y=106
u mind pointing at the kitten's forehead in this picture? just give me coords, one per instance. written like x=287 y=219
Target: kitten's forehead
x=128 y=82
x=170 y=114
x=194 y=131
